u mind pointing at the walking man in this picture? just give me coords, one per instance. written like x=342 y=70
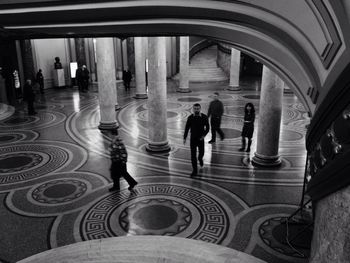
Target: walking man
x=215 y=112
x=199 y=126
x=119 y=157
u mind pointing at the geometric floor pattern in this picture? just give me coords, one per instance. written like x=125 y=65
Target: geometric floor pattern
x=54 y=176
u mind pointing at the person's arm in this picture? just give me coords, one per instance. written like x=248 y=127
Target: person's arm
x=124 y=154
x=221 y=108
x=206 y=125
x=210 y=109
x=187 y=127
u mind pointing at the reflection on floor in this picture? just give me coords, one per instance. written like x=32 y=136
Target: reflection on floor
x=54 y=176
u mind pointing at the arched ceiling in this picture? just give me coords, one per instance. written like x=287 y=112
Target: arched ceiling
x=300 y=40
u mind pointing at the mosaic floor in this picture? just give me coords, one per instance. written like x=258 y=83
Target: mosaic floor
x=54 y=177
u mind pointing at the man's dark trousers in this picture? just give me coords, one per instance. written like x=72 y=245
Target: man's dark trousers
x=215 y=123
x=118 y=169
x=194 y=144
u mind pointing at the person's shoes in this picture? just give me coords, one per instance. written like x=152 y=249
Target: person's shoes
x=112 y=189
x=193 y=174
x=132 y=186
x=201 y=162
x=223 y=137
x=241 y=149
x=211 y=141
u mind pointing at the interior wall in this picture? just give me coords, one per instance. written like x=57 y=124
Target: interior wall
x=331 y=238
x=45 y=58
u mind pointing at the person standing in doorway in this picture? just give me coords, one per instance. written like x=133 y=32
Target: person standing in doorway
x=248 y=126
x=119 y=158
x=29 y=96
x=215 y=112
x=40 y=81
x=199 y=126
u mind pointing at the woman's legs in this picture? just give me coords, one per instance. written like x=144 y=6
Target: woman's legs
x=243 y=145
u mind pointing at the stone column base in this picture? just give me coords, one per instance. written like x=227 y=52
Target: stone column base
x=141 y=96
x=183 y=90
x=234 y=88
x=158 y=147
x=108 y=125
x=268 y=161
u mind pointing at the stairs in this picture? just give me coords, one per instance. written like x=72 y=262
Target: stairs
x=203 y=67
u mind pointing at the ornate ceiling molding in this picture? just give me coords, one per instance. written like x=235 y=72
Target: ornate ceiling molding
x=329 y=29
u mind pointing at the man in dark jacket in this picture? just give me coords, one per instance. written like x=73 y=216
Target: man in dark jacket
x=215 y=111
x=119 y=158
x=29 y=96
x=199 y=126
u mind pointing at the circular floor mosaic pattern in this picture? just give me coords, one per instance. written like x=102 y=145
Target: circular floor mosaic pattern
x=59 y=191
x=28 y=161
x=8 y=138
x=189 y=99
x=18 y=162
x=273 y=232
x=157 y=209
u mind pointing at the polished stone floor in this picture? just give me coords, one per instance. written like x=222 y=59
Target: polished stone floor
x=54 y=176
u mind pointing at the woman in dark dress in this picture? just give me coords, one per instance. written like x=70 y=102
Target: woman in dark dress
x=248 y=126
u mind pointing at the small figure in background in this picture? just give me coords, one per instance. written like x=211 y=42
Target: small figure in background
x=29 y=96
x=248 y=126
x=127 y=76
x=85 y=78
x=119 y=158
x=57 y=64
x=78 y=75
x=40 y=81
x=215 y=112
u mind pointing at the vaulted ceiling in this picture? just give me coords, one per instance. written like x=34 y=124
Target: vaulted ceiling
x=304 y=41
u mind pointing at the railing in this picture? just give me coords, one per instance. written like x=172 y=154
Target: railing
x=328 y=141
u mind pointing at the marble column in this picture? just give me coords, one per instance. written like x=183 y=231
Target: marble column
x=234 y=70
x=184 y=65
x=270 y=112
x=80 y=51
x=28 y=60
x=140 y=67
x=107 y=89
x=157 y=96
